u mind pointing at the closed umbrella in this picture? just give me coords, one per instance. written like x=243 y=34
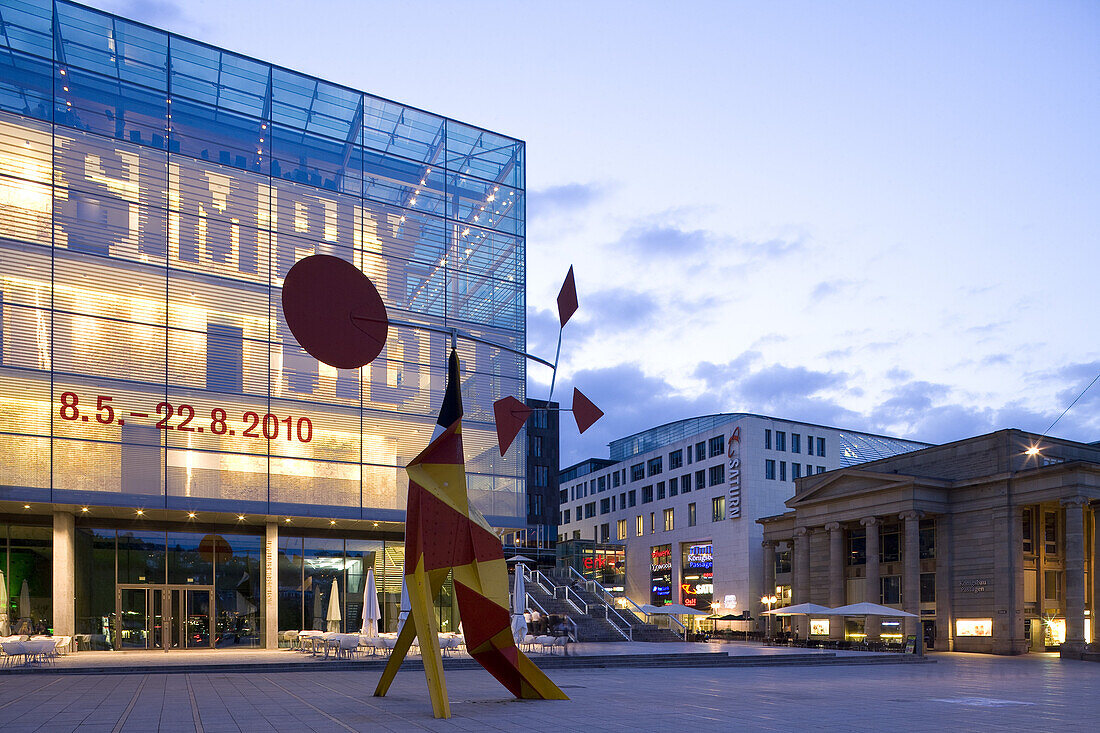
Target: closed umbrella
x=333 y=615
x=24 y=602
x=5 y=622
x=405 y=608
x=371 y=612
x=519 y=606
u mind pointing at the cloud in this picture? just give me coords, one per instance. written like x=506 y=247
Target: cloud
x=898 y=374
x=563 y=199
x=829 y=288
x=619 y=309
x=667 y=241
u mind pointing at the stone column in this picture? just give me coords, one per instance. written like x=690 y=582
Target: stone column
x=800 y=587
x=769 y=580
x=1075 y=574
x=945 y=619
x=836 y=577
x=1008 y=581
x=872 y=585
x=64 y=574
x=269 y=612
x=910 y=578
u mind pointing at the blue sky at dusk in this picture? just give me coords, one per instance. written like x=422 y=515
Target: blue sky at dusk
x=882 y=216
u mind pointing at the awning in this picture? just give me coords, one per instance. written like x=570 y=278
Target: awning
x=869 y=609
x=802 y=609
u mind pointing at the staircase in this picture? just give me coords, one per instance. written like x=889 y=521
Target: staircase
x=590 y=609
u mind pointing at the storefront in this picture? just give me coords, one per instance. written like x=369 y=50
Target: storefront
x=697 y=573
x=604 y=563
x=660 y=575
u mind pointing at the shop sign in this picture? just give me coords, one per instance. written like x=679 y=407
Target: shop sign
x=660 y=575
x=733 y=472
x=977 y=585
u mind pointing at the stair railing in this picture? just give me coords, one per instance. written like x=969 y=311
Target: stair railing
x=571 y=597
x=606 y=600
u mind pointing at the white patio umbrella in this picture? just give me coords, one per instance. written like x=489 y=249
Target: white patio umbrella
x=333 y=616
x=371 y=613
x=519 y=606
x=801 y=609
x=5 y=622
x=518 y=558
x=868 y=609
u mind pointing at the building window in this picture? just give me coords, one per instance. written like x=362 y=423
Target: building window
x=782 y=561
x=796 y=471
x=927 y=587
x=717 y=508
x=689 y=454
x=225 y=357
x=638 y=525
x=637 y=472
x=605 y=506
x=809 y=445
x=927 y=535
x=700 y=450
x=673 y=486
x=675 y=459
x=652 y=522
x=653 y=466
x=691 y=514
x=647 y=494
x=669 y=521
x=1029 y=532
x=605 y=532
x=717 y=446
x=562 y=498
x=857 y=547
x=685 y=483
x=891 y=590
x=631 y=497
x=769 y=469
x=1051 y=585
x=820 y=469
x=542 y=476
x=809 y=470
x=565 y=517
x=700 y=480
x=782 y=470
x=1050 y=533
x=539 y=418
x=780 y=440
x=601 y=484
x=660 y=489
x=718 y=474
x=590 y=510
x=890 y=539
x=536 y=446
x=615 y=482
x=796 y=443
x=768 y=439
x=620 y=529
x=821 y=447
x=622 y=500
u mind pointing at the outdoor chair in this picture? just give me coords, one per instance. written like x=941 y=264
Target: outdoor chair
x=546 y=644
x=14 y=652
x=528 y=643
x=561 y=641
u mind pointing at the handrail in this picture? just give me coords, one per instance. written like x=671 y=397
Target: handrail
x=578 y=604
x=536 y=577
x=574 y=632
x=606 y=600
x=538 y=606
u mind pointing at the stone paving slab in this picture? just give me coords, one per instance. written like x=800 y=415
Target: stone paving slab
x=958 y=693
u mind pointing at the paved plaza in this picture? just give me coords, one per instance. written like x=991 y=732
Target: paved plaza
x=957 y=692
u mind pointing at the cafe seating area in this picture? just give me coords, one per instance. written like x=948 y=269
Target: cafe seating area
x=23 y=650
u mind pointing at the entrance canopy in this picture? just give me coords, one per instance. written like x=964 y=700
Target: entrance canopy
x=867 y=609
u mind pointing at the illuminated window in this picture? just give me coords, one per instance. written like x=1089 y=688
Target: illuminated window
x=652 y=522
x=669 y=520
x=691 y=514
x=717 y=508
x=819 y=627
x=974 y=627
x=620 y=529
x=639 y=528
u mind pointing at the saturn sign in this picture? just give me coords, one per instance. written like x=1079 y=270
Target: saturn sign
x=733 y=473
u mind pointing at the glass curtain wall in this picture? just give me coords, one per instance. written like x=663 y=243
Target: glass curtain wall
x=26 y=559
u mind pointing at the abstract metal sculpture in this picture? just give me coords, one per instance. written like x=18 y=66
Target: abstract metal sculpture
x=338 y=317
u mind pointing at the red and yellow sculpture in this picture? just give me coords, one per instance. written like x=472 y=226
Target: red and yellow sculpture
x=444 y=534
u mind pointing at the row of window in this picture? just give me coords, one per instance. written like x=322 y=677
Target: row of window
x=796 y=470
x=717 y=514
x=796 y=442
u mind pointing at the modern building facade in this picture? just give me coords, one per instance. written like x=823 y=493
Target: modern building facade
x=176 y=470
x=993 y=547
x=682 y=499
x=542 y=480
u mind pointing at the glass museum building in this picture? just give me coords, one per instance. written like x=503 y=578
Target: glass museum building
x=175 y=471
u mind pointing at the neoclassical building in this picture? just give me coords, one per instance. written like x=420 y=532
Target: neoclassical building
x=990 y=543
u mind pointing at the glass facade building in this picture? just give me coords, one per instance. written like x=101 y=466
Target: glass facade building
x=154 y=192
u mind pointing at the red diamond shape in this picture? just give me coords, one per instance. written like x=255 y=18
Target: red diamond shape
x=584 y=412
x=510 y=414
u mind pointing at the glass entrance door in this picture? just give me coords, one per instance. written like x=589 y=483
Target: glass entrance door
x=163 y=617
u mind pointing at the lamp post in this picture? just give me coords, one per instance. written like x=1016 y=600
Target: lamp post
x=769 y=600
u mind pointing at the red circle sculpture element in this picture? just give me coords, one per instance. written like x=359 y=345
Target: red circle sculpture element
x=334 y=311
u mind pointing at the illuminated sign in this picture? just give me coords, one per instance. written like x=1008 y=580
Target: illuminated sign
x=974 y=627
x=697 y=587
x=660 y=575
x=733 y=473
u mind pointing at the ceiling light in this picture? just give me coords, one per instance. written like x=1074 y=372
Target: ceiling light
x=287 y=520
x=332 y=521
x=190 y=515
x=240 y=517
x=141 y=512
x=26 y=506
x=83 y=508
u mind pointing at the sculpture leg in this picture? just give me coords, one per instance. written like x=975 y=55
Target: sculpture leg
x=423 y=611
x=397 y=656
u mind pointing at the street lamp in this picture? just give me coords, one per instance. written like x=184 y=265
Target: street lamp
x=769 y=600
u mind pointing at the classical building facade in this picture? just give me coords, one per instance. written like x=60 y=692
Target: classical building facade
x=991 y=544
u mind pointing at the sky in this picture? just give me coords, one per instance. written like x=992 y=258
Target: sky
x=875 y=216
